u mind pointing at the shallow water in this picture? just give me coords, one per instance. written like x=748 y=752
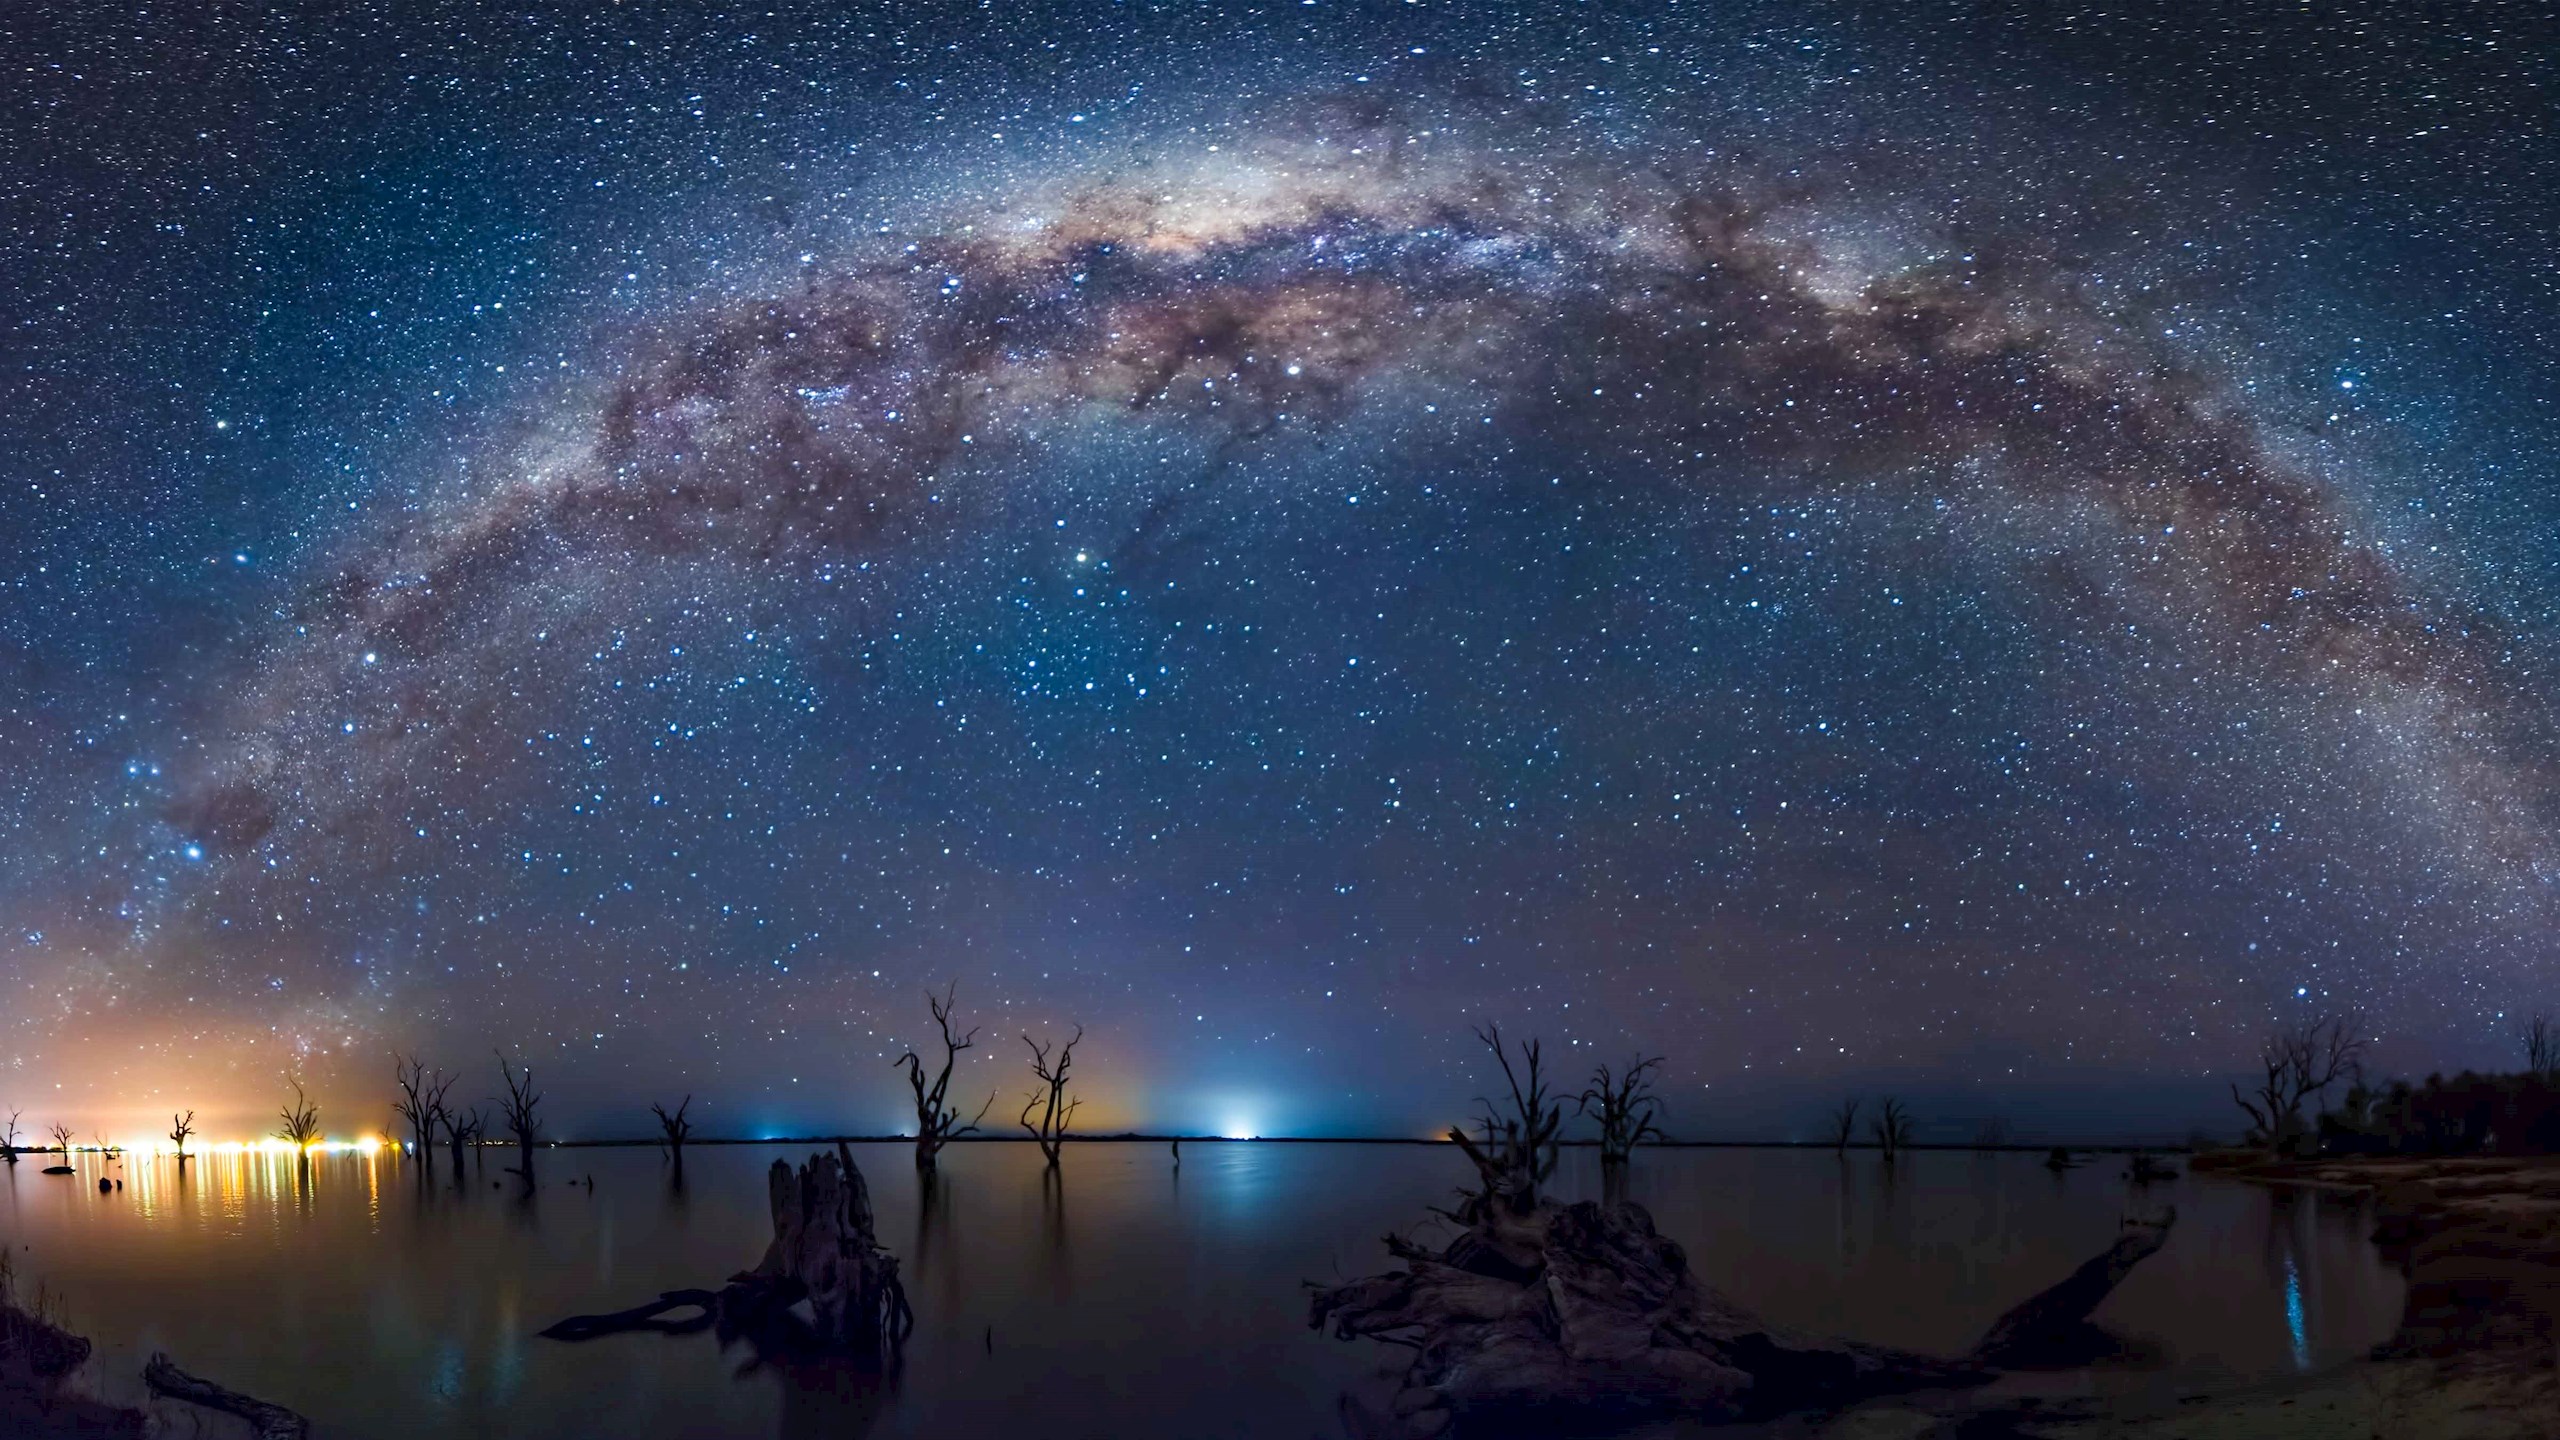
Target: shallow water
x=1132 y=1299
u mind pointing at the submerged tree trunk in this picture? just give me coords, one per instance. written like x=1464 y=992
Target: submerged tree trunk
x=824 y=1250
x=1582 y=1314
x=271 y=1422
x=2052 y=1327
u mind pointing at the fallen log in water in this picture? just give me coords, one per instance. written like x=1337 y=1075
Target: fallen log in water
x=2052 y=1327
x=824 y=1251
x=272 y=1422
x=1581 y=1315
x=708 y=1304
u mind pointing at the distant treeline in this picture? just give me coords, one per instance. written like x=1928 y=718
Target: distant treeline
x=2468 y=1114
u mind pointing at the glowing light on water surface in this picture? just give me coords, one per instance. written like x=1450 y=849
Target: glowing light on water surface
x=2293 y=1317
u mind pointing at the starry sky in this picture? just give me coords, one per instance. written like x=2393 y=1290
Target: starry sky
x=1986 y=551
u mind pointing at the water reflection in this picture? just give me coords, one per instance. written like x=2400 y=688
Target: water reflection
x=1157 y=1297
x=2297 y=1248
x=825 y=1399
x=933 y=1210
x=1056 y=1263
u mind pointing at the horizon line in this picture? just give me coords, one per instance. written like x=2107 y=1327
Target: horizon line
x=1139 y=1138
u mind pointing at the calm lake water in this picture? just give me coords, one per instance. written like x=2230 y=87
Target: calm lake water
x=1135 y=1299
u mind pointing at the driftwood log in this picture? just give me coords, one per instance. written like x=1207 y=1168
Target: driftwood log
x=825 y=1252
x=2052 y=1327
x=1575 y=1316
x=272 y=1422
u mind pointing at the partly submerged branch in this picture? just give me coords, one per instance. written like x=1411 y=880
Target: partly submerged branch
x=2052 y=1327
x=272 y=1422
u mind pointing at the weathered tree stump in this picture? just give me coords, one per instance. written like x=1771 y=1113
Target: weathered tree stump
x=824 y=1244
x=825 y=1251
x=1581 y=1315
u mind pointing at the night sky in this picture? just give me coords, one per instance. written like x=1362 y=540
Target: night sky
x=1991 y=553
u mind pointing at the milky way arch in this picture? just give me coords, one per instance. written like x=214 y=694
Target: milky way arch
x=1633 y=310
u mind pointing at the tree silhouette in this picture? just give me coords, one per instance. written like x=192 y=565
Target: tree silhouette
x=2298 y=1063
x=2541 y=1045
x=180 y=1127
x=1514 y=1150
x=678 y=1129
x=421 y=1101
x=1625 y=1106
x=519 y=1107
x=1892 y=1128
x=1843 y=1123
x=463 y=1128
x=936 y=1124
x=301 y=1117
x=1056 y=1110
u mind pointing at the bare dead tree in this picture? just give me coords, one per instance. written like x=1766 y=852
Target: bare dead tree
x=677 y=1128
x=2297 y=1065
x=462 y=1129
x=301 y=1117
x=421 y=1099
x=937 y=1125
x=180 y=1127
x=520 y=1110
x=9 y=1139
x=1892 y=1128
x=2266 y=1103
x=437 y=1109
x=1514 y=1149
x=2541 y=1044
x=1843 y=1123
x=1626 y=1108
x=61 y=1134
x=1056 y=1111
